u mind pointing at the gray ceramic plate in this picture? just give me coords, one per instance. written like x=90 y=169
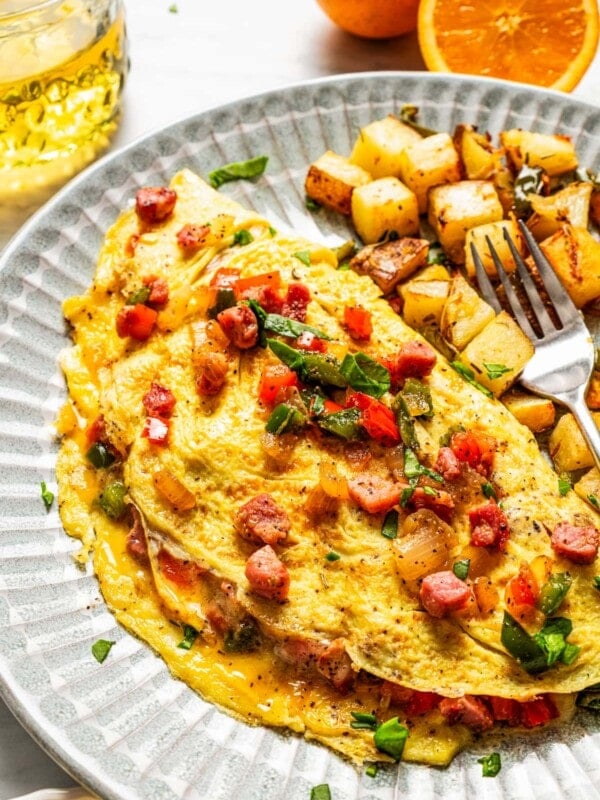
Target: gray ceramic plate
x=126 y=729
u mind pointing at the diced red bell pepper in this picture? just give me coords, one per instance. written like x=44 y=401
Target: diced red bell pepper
x=181 y=573
x=474 y=448
x=505 y=709
x=159 y=401
x=330 y=407
x=241 y=285
x=192 y=236
x=156 y=430
x=421 y=703
x=225 y=278
x=538 y=712
x=136 y=321
x=522 y=592
x=358 y=322
x=96 y=430
x=273 y=379
x=376 y=418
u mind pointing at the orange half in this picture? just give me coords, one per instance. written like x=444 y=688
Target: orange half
x=544 y=42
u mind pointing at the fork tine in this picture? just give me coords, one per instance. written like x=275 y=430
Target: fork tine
x=513 y=300
x=531 y=290
x=485 y=285
x=563 y=305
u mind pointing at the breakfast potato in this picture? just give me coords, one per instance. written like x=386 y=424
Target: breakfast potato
x=592 y=397
x=424 y=302
x=567 y=447
x=588 y=487
x=495 y=232
x=428 y=163
x=454 y=208
x=554 y=153
x=382 y=207
x=431 y=272
x=575 y=257
x=379 y=144
x=464 y=314
x=332 y=178
x=595 y=207
x=537 y=413
x=569 y=205
x=498 y=353
x=391 y=262
x=479 y=157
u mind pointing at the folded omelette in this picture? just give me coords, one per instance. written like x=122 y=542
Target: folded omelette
x=303 y=508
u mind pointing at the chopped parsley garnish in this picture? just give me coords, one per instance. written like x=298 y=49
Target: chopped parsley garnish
x=496 y=370
x=564 y=486
x=435 y=254
x=461 y=568
x=365 y=374
x=242 y=237
x=190 y=635
x=303 y=256
x=413 y=469
x=594 y=501
x=101 y=649
x=47 y=495
x=490 y=765
x=488 y=490
x=320 y=792
x=238 y=170
x=311 y=204
x=596 y=581
x=389 y=529
x=469 y=376
x=332 y=556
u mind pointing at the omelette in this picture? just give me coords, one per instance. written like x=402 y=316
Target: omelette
x=301 y=506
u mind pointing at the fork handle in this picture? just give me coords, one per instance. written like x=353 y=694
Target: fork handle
x=589 y=429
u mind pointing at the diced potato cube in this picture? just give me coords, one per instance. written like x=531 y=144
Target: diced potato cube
x=454 y=208
x=379 y=144
x=465 y=313
x=571 y=204
x=383 y=207
x=424 y=302
x=537 y=413
x=432 y=272
x=428 y=163
x=391 y=262
x=575 y=256
x=554 y=153
x=495 y=231
x=567 y=447
x=498 y=353
x=593 y=393
x=504 y=181
x=588 y=487
x=331 y=179
x=595 y=207
x=480 y=158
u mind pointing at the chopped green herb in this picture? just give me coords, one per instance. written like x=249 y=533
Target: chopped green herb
x=461 y=568
x=371 y=770
x=303 y=256
x=407 y=493
x=101 y=649
x=488 y=490
x=435 y=254
x=528 y=181
x=311 y=204
x=112 y=500
x=597 y=582
x=173 y=9
x=139 y=296
x=496 y=370
x=242 y=237
x=390 y=737
x=389 y=529
x=100 y=456
x=320 y=792
x=238 y=170
x=362 y=721
x=552 y=640
x=272 y=231
x=413 y=469
x=190 y=635
x=365 y=374
x=594 y=500
x=244 y=638
x=469 y=376
x=564 y=486
x=408 y=115
x=47 y=495
x=332 y=556
x=490 y=765
x=430 y=491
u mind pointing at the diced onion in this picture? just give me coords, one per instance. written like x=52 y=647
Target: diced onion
x=279 y=447
x=486 y=594
x=173 y=490
x=318 y=504
x=424 y=546
x=331 y=482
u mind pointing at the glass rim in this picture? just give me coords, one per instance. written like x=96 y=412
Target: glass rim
x=33 y=6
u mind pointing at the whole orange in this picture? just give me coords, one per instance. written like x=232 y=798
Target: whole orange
x=373 y=19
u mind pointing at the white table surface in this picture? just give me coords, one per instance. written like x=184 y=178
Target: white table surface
x=185 y=62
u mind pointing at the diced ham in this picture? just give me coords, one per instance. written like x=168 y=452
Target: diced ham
x=309 y=341
x=447 y=464
x=373 y=493
x=262 y=520
x=225 y=611
x=158 y=401
x=578 y=543
x=413 y=360
x=300 y=652
x=136 y=543
x=440 y=502
x=442 y=592
x=211 y=369
x=410 y=701
x=489 y=526
x=192 y=236
x=240 y=326
x=267 y=575
x=155 y=203
x=476 y=449
x=469 y=711
x=266 y=296
x=296 y=301
x=159 y=291
x=335 y=664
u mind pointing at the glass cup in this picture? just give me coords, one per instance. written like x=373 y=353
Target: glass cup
x=62 y=68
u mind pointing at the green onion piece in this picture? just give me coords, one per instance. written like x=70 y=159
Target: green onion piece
x=190 y=635
x=140 y=296
x=594 y=500
x=430 y=491
x=553 y=592
x=469 y=376
x=407 y=493
x=293 y=359
x=112 y=500
x=47 y=495
x=303 y=256
x=389 y=529
x=173 y=9
x=363 y=721
x=564 y=486
x=522 y=646
x=225 y=298
x=332 y=556
x=244 y=638
x=488 y=490
x=101 y=649
x=496 y=370
x=390 y=737
x=461 y=568
x=100 y=456
x=371 y=770
x=242 y=237
x=238 y=170
x=283 y=418
x=490 y=765
x=435 y=254
x=320 y=792
x=417 y=398
x=345 y=424
x=365 y=374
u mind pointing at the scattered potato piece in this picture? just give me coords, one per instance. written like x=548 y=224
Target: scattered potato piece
x=575 y=256
x=331 y=179
x=454 y=208
x=465 y=313
x=428 y=163
x=379 y=144
x=593 y=394
x=495 y=231
x=567 y=447
x=595 y=207
x=588 y=487
x=537 y=413
x=432 y=272
x=382 y=207
x=479 y=157
x=391 y=262
x=498 y=353
x=554 y=153
x=424 y=302
x=571 y=204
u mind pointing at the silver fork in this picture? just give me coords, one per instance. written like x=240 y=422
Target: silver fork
x=563 y=359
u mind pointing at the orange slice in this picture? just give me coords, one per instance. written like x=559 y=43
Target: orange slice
x=373 y=19
x=544 y=42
